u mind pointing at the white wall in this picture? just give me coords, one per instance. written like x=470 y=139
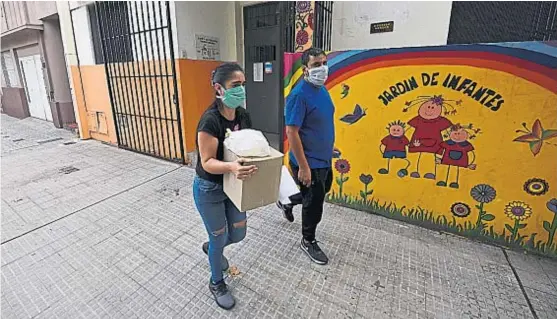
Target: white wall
x=83 y=41
x=215 y=19
x=416 y=23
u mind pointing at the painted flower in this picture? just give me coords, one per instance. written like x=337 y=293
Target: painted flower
x=342 y=166
x=438 y=99
x=366 y=179
x=303 y=6
x=310 y=20
x=302 y=37
x=518 y=210
x=536 y=186
x=552 y=205
x=483 y=193
x=460 y=209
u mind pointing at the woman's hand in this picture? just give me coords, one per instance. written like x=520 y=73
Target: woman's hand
x=242 y=172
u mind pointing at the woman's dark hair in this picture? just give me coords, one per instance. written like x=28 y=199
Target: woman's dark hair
x=224 y=72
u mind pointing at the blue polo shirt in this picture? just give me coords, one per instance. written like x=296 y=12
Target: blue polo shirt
x=311 y=109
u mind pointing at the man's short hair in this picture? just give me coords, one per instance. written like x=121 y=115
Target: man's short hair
x=311 y=52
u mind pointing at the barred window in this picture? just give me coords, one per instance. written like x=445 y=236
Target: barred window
x=9 y=71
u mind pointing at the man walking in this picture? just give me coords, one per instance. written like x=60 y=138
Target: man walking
x=309 y=120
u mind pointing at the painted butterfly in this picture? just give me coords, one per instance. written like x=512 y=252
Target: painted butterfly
x=536 y=137
x=354 y=117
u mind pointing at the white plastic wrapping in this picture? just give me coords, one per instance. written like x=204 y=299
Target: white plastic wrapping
x=247 y=143
x=288 y=187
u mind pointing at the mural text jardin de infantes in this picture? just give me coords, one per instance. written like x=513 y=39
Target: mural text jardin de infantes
x=457 y=138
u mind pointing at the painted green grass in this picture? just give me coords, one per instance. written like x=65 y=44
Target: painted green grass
x=428 y=219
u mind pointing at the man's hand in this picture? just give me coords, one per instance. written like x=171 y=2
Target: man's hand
x=304 y=176
x=417 y=143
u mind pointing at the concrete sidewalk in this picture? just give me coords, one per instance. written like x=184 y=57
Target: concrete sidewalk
x=91 y=231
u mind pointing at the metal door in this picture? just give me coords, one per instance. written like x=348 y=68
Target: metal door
x=269 y=31
x=264 y=48
x=31 y=68
x=138 y=54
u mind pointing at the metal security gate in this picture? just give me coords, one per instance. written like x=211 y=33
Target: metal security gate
x=138 y=54
x=269 y=32
x=323 y=25
x=497 y=21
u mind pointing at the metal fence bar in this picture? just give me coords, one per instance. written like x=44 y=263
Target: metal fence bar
x=130 y=84
x=162 y=110
x=168 y=91
x=175 y=99
x=116 y=61
x=108 y=58
x=161 y=60
x=137 y=74
x=107 y=74
x=150 y=60
x=153 y=126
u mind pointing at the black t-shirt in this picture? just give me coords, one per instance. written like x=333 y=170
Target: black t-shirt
x=213 y=123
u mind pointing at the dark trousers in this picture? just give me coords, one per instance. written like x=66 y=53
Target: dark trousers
x=313 y=198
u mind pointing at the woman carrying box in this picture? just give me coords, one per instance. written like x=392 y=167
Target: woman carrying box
x=224 y=223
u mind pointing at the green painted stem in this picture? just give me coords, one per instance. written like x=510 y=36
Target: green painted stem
x=480 y=216
x=365 y=190
x=515 y=230
x=552 y=232
x=340 y=185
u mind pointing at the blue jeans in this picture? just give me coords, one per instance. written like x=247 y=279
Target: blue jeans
x=224 y=223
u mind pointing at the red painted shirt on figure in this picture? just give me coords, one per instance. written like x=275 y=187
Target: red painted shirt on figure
x=428 y=132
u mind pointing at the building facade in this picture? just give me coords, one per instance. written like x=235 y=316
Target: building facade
x=34 y=77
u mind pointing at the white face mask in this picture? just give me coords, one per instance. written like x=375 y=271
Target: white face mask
x=317 y=76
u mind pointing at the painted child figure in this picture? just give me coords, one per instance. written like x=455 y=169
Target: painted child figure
x=394 y=146
x=428 y=128
x=454 y=152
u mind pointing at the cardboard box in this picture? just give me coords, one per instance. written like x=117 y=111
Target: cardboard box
x=260 y=189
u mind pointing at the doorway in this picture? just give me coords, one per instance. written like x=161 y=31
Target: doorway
x=33 y=80
x=267 y=35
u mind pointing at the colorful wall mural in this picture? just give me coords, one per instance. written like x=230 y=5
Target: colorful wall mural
x=457 y=138
x=304 y=25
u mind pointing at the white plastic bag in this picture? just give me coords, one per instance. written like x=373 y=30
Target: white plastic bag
x=288 y=187
x=247 y=143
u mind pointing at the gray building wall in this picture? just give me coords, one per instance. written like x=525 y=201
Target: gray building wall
x=60 y=94
x=31 y=28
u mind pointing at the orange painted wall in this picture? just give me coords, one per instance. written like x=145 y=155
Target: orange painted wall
x=196 y=94
x=93 y=103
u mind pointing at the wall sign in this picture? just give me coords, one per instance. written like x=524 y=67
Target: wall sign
x=268 y=67
x=258 y=72
x=208 y=48
x=381 y=27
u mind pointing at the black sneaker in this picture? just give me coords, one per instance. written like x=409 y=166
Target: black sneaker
x=222 y=296
x=314 y=252
x=286 y=211
x=224 y=261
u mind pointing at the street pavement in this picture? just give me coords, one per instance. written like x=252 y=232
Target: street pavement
x=92 y=231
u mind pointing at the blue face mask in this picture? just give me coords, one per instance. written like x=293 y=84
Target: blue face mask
x=234 y=97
